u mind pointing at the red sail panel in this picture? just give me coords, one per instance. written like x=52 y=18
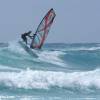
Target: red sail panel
x=43 y=29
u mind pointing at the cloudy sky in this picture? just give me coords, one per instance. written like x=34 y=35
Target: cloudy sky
x=76 y=20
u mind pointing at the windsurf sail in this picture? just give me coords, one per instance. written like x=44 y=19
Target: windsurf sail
x=43 y=29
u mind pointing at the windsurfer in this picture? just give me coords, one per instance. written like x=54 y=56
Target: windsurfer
x=24 y=36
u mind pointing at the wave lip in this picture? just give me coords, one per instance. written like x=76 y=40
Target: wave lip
x=52 y=57
x=30 y=79
x=83 y=48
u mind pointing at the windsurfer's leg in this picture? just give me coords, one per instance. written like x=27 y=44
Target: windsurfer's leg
x=26 y=41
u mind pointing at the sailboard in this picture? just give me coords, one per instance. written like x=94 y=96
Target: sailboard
x=37 y=40
x=43 y=30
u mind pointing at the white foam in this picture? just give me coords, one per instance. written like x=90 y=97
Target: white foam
x=30 y=79
x=51 y=57
x=83 y=48
x=15 y=47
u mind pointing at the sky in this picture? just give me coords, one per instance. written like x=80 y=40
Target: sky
x=77 y=21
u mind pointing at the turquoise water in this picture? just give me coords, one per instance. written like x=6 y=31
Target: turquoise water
x=61 y=72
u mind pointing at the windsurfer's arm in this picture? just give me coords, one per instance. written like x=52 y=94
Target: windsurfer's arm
x=30 y=36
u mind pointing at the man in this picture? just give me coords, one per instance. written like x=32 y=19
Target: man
x=24 y=36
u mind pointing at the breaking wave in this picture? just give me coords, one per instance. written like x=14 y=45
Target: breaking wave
x=33 y=79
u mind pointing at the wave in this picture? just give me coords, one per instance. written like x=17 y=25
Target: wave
x=15 y=47
x=8 y=68
x=35 y=79
x=52 y=57
x=82 y=49
x=47 y=56
x=4 y=45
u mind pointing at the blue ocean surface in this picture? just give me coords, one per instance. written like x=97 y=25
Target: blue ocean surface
x=60 y=72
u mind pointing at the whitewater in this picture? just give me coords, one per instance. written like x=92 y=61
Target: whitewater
x=60 y=72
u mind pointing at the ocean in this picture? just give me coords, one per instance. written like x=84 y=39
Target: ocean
x=60 y=72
